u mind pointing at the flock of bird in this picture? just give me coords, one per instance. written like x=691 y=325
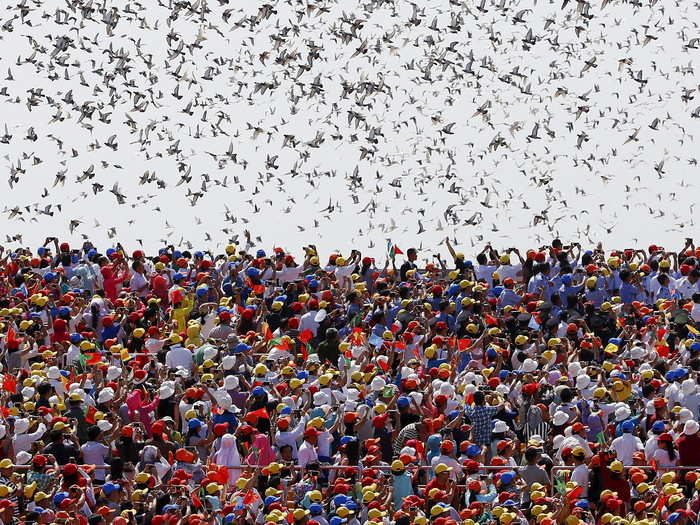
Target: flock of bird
x=349 y=123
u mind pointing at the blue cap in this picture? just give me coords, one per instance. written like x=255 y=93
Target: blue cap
x=177 y=254
x=316 y=509
x=313 y=283
x=337 y=520
x=673 y=517
x=473 y=450
x=41 y=250
x=347 y=439
x=269 y=500
x=75 y=338
x=110 y=251
x=110 y=487
x=566 y=279
x=194 y=423
x=503 y=375
x=491 y=353
x=615 y=340
x=507 y=477
x=241 y=347
x=178 y=276
x=695 y=346
x=453 y=289
x=508 y=503
x=202 y=290
x=403 y=401
x=59 y=497
x=198 y=254
x=49 y=276
x=252 y=272
x=628 y=426
x=286 y=411
x=658 y=427
x=340 y=500
x=259 y=391
x=303 y=375
x=64 y=310
x=260 y=253
x=91 y=252
x=351 y=505
x=582 y=504
x=229 y=518
x=497 y=290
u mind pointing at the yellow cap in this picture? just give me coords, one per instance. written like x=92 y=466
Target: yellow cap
x=441 y=467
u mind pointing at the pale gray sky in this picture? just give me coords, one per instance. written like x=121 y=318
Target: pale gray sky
x=543 y=173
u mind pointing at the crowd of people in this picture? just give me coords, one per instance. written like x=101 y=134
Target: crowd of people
x=191 y=387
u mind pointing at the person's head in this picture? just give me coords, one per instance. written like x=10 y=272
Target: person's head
x=7 y=510
x=137 y=266
x=532 y=455
x=479 y=398
x=412 y=254
x=331 y=334
x=286 y=453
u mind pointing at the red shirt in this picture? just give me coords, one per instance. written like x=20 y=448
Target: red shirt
x=688 y=450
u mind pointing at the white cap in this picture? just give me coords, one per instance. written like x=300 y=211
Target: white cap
x=23 y=457
x=560 y=418
x=113 y=372
x=53 y=372
x=637 y=352
x=321 y=398
x=377 y=384
x=231 y=382
x=28 y=392
x=691 y=427
x=320 y=316
x=228 y=362
x=106 y=394
x=582 y=381
x=622 y=413
x=688 y=386
x=684 y=415
x=104 y=425
x=529 y=365
x=166 y=390
x=500 y=426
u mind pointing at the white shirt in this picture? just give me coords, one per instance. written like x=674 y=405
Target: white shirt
x=484 y=272
x=307 y=454
x=307 y=322
x=136 y=282
x=580 y=477
x=23 y=442
x=179 y=356
x=94 y=453
x=686 y=288
x=509 y=271
x=625 y=446
x=291 y=437
x=450 y=462
x=695 y=312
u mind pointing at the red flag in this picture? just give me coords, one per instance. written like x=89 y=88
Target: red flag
x=400 y=345
x=9 y=382
x=490 y=320
x=306 y=336
x=397 y=250
x=90 y=415
x=464 y=344
x=93 y=358
x=196 y=501
x=249 y=497
x=267 y=333
x=10 y=335
x=259 y=289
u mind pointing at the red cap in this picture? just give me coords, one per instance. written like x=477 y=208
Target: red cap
x=311 y=432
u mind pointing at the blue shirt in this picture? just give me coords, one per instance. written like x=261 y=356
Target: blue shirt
x=628 y=293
